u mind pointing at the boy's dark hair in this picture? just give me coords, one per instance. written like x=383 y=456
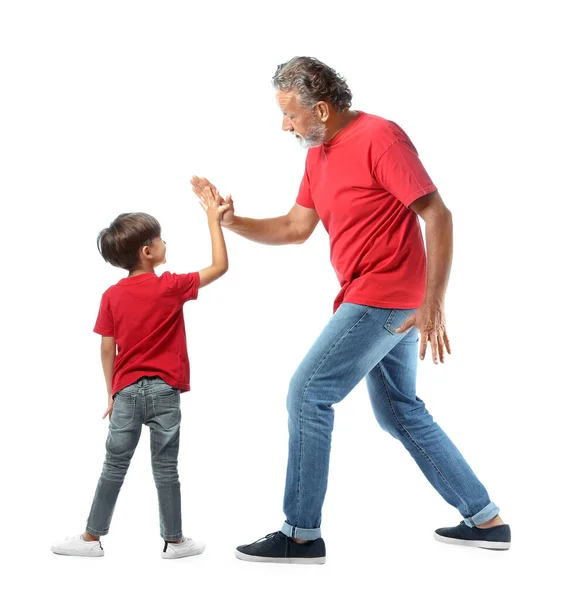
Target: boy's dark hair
x=120 y=243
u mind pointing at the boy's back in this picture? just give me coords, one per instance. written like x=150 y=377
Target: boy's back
x=144 y=315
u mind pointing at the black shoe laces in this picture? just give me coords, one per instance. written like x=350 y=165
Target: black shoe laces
x=264 y=538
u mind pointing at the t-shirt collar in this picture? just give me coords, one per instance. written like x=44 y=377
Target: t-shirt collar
x=136 y=279
x=345 y=131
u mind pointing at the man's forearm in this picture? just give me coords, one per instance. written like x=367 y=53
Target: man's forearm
x=439 y=246
x=275 y=232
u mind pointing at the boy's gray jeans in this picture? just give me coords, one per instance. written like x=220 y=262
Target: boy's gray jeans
x=152 y=402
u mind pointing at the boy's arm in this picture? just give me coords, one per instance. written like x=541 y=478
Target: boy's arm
x=220 y=263
x=108 y=355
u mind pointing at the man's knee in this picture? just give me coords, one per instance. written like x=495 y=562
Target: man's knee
x=306 y=389
x=388 y=423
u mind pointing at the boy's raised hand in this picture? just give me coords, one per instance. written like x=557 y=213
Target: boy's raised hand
x=211 y=203
x=200 y=184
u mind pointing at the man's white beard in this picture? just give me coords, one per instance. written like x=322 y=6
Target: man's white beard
x=315 y=136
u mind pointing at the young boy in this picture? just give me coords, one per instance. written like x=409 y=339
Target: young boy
x=142 y=315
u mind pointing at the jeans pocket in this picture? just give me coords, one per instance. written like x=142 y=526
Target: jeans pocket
x=396 y=318
x=166 y=407
x=123 y=411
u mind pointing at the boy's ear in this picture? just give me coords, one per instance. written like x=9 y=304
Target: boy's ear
x=146 y=251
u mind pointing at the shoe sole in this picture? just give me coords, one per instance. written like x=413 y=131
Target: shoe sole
x=473 y=543
x=318 y=560
x=170 y=555
x=84 y=554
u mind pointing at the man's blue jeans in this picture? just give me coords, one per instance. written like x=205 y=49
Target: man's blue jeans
x=359 y=341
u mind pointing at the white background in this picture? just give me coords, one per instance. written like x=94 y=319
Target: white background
x=108 y=107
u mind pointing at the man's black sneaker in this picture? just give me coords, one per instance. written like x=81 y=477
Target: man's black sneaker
x=278 y=548
x=493 y=538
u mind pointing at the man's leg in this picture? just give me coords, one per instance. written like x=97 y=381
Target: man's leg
x=392 y=389
x=354 y=341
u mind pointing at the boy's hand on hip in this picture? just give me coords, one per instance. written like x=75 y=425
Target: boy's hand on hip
x=430 y=320
x=110 y=408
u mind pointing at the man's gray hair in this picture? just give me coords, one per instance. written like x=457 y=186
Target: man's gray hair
x=312 y=81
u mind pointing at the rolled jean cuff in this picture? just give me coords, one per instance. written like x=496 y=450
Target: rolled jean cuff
x=97 y=532
x=302 y=534
x=486 y=514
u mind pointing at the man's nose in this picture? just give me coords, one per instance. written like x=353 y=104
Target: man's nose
x=286 y=124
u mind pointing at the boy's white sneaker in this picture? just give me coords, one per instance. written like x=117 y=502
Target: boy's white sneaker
x=78 y=546
x=185 y=548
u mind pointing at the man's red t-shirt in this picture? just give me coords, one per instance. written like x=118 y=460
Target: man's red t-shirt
x=361 y=184
x=144 y=315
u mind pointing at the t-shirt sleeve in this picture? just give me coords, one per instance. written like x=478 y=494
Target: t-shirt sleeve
x=400 y=172
x=304 y=198
x=185 y=286
x=105 y=321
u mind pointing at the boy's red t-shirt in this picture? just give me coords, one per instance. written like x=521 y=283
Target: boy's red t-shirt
x=361 y=184
x=144 y=314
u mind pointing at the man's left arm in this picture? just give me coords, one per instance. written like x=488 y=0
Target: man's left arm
x=430 y=317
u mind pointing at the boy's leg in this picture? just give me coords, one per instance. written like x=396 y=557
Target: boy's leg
x=123 y=435
x=164 y=419
x=392 y=389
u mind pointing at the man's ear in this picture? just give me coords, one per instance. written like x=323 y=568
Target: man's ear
x=323 y=111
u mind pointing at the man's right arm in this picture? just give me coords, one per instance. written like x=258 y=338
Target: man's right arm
x=293 y=228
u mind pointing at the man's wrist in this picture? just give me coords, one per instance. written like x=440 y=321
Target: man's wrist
x=227 y=225
x=434 y=301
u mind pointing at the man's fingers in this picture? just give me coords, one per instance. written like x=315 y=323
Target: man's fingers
x=441 y=347
x=423 y=345
x=406 y=325
x=433 y=343
x=201 y=181
x=199 y=184
x=198 y=191
x=446 y=342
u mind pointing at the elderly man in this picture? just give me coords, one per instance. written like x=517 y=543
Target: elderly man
x=363 y=179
